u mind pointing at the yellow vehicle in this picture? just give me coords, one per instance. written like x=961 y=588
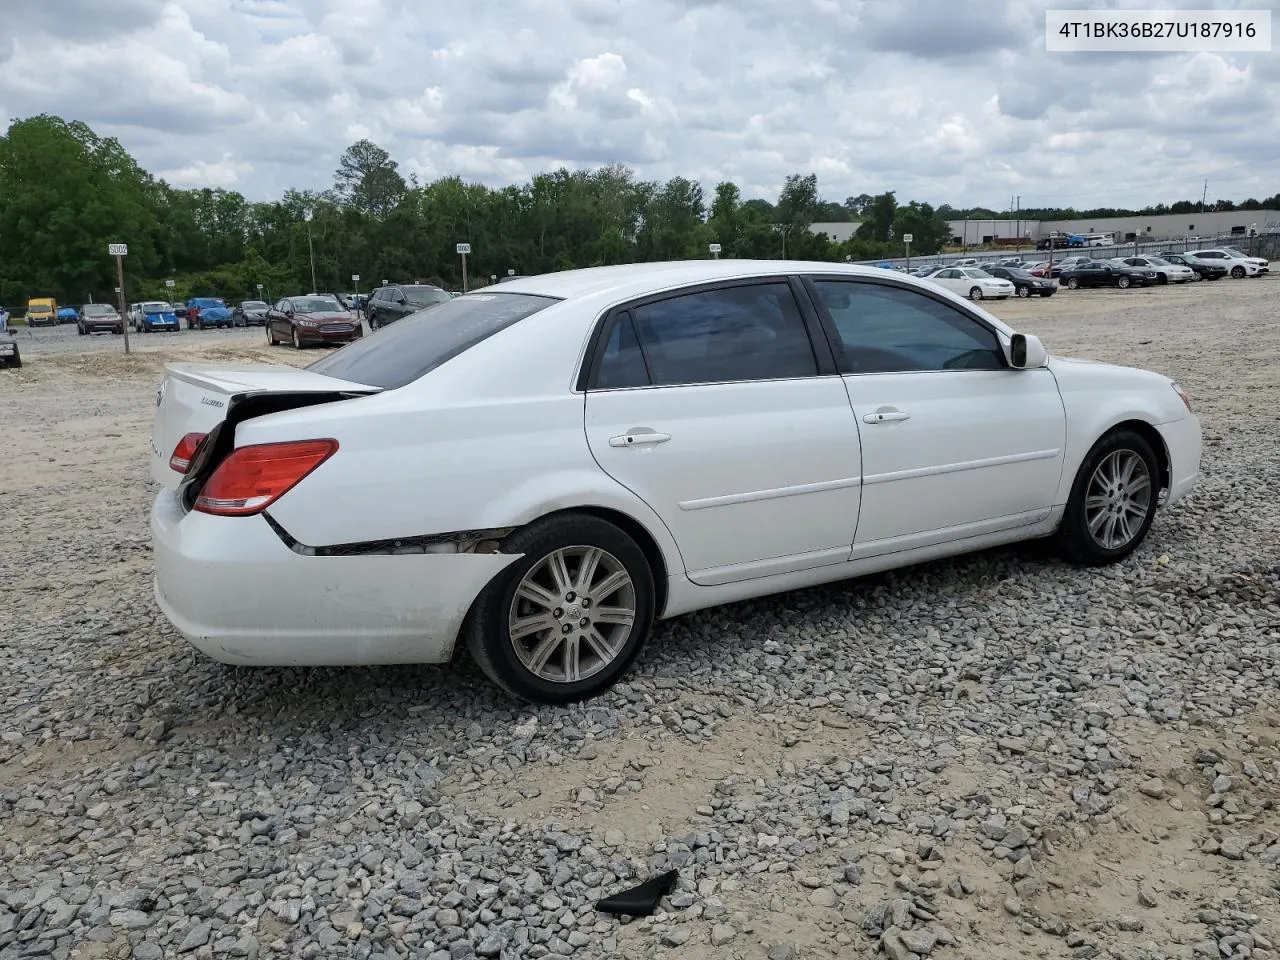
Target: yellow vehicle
x=42 y=312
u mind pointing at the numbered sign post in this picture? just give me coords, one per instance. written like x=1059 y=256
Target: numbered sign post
x=907 y=238
x=715 y=250
x=463 y=250
x=120 y=251
x=355 y=285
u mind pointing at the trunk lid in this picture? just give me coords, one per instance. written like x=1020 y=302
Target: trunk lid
x=212 y=398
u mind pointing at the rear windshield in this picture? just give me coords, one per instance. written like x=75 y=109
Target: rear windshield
x=425 y=296
x=98 y=310
x=157 y=308
x=417 y=344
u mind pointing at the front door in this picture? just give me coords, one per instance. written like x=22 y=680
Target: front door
x=955 y=443
x=710 y=408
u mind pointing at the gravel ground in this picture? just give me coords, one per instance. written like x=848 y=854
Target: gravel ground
x=995 y=757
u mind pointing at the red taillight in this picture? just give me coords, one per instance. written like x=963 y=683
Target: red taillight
x=254 y=477
x=185 y=451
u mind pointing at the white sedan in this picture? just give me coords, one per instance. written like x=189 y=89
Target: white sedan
x=972 y=282
x=1165 y=270
x=537 y=472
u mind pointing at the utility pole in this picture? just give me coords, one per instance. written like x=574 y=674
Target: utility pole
x=312 y=251
x=120 y=251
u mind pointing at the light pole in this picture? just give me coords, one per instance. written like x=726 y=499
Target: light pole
x=311 y=250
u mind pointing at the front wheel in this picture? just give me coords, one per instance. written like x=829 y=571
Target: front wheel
x=1237 y=272
x=297 y=342
x=1113 y=501
x=1123 y=283
x=565 y=621
x=975 y=293
x=271 y=337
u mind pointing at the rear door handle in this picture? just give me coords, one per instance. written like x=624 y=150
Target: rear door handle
x=886 y=416
x=635 y=438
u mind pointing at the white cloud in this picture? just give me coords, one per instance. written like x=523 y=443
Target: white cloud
x=957 y=102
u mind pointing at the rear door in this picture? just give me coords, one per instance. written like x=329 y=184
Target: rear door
x=713 y=407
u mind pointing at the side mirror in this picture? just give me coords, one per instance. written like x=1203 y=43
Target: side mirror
x=1026 y=352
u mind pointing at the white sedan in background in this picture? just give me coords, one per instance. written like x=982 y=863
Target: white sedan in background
x=1165 y=271
x=972 y=282
x=537 y=472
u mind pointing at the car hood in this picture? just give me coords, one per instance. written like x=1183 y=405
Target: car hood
x=328 y=316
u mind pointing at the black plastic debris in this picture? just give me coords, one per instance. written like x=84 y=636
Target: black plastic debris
x=640 y=900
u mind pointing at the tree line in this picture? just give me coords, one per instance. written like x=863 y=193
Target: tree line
x=66 y=192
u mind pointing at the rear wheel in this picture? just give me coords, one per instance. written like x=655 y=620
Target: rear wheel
x=1113 y=500
x=1073 y=283
x=565 y=621
x=975 y=293
x=1024 y=291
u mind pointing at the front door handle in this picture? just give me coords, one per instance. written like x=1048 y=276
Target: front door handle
x=886 y=415
x=635 y=438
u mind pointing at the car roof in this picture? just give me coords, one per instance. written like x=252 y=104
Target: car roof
x=636 y=279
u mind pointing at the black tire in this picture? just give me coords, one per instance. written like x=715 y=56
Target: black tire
x=15 y=361
x=975 y=293
x=1162 y=278
x=297 y=341
x=1046 y=293
x=1024 y=291
x=80 y=330
x=486 y=631
x=1074 y=540
x=1237 y=273
x=271 y=337
x=1123 y=283
x=1073 y=283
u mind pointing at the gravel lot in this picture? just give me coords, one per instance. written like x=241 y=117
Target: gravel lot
x=995 y=757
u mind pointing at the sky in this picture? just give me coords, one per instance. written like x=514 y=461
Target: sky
x=941 y=100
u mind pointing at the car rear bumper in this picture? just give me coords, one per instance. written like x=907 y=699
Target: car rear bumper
x=1183 y=440
x=233 y=589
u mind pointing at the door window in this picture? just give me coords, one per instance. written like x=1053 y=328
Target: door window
x=748 y=332
x=888 y=329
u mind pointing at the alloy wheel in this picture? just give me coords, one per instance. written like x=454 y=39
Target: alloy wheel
x=1117 y=499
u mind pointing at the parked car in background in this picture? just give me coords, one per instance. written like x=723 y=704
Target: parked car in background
x=539 y=474
x=250 y=313
x=99 y=318
x=42 y=312
x=311 y=320
x=388 y=304
x=1165 y=270
x=67 y=315
x=10 y=355
x=1238 y=265
x=1025 y=284
x=1204 y=270
x=211 y=315
x=196 y=305
x=1104 y=273
x=152 y=315
x=964 y=262
x=972 y=283
x=1264 y=265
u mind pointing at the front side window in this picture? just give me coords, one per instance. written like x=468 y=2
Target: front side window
x=749 y=332
x=887 y=329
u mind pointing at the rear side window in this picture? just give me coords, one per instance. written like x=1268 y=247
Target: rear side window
x=415 y=345
x=749 y=332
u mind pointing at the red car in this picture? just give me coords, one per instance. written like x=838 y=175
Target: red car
x=316 y=318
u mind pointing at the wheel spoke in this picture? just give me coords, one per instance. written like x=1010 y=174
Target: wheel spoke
x=1109 y=532
x=619 y=616
x=543 y=651
x=1138 y=485
x=587 y=570
x=536 y=594
x=1096 y=521
x=559 y=572
x=600 y=644
x=535 y=623
x=1128 y=464
x=571 y=659
x=611 y=585
x=1095 y=502
x=1123 y=529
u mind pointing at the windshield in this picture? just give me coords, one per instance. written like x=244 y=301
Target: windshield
x=98 y=310
x=157 y=308
x=207 y=302
x=975 y=274
x=425 y=296
x=316 y=305
x=422 y=341
x=254 y=305
x=40 y=309
x=1158 y=262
